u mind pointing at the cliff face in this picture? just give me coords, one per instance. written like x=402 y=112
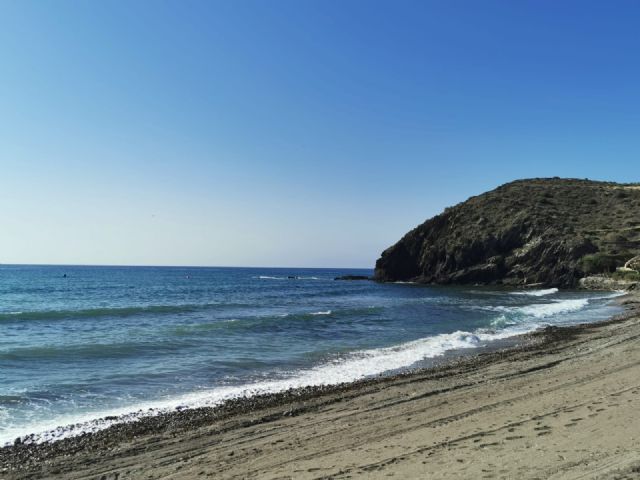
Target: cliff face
x=547 y=231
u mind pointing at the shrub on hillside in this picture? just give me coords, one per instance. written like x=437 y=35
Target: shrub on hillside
x=599 y=263
x=629 y=276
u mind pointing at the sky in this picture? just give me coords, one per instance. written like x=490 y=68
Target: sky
x=294 y=133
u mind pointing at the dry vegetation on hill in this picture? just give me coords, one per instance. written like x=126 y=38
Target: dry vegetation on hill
x=548 y=231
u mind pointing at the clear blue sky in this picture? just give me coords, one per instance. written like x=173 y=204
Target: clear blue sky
x=294 y=133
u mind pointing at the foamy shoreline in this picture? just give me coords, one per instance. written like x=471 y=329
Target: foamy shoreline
x=542 y=347
x=355 y=367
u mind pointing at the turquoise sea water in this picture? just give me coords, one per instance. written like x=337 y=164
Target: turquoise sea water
x=81 y=343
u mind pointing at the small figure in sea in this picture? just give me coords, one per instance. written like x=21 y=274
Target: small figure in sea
x=64 y=276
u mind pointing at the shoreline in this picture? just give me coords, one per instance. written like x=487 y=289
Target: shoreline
x=252 y=401
x=187 y=416
x=250 y=397
x=104 y=450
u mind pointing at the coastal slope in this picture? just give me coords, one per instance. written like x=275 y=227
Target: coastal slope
x=537 y=231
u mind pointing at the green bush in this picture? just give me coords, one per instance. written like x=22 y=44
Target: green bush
x=599 y=263
x=621 y=194
x=615 y=237
x=630 y=276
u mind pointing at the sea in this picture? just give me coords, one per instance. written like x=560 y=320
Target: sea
x=84 y=347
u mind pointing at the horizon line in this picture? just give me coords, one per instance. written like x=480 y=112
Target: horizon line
x=171 y=266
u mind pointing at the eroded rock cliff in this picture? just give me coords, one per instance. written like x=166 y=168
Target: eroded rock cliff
x=537 y=231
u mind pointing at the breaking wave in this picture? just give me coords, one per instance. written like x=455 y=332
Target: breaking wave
x=537 y=293
x=351 y=367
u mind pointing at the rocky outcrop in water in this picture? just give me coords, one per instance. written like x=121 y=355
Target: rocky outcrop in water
x=550 y=232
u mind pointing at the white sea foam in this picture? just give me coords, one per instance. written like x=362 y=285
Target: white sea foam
x=543 y=310
x=537 y=293
x=348 y=368
x=327 y=312
x=354 y=366
x=529 y=314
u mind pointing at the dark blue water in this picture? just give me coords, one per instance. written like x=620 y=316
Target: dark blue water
x=114 y=340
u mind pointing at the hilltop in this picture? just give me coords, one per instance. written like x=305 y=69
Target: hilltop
x=551 y=232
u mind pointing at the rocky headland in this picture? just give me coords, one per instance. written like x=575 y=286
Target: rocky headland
x=548 y=232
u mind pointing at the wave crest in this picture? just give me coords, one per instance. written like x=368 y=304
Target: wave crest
x=354 y=366
x=110 y=312
x=537 y=293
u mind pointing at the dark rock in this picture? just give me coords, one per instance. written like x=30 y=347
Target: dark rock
x=539 y=231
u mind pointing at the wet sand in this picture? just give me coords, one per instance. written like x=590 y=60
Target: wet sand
x=563 y=404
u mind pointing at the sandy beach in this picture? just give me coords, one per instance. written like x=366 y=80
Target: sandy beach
x=563 y=404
